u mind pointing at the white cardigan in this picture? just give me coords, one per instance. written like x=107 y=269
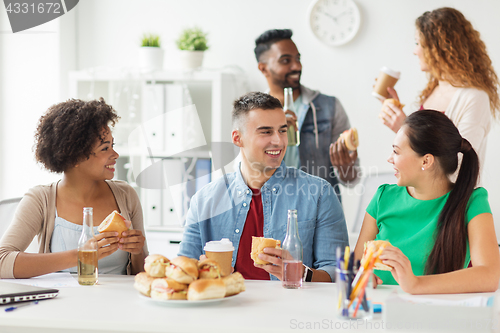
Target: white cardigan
x=469 y=109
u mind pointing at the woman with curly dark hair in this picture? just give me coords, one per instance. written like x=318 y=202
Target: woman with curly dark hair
x=462 y=82
x=74 y=138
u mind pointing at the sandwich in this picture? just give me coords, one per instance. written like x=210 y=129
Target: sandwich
x=393 y=101
x=168 y=289
x=155 y=265
x=373 y=249
x=350 y=138
x=182 y=269
x=258 y=246
x=114 y=222
x=142 y=283
x=206 y=289
x=235 y=284
x=209 y=269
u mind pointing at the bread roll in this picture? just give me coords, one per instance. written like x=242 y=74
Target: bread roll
x=350 y=138
x=235 y=284
x=209 y=269
x=142 y=283
x=258 y=245
x=155 y=265
x=375 y=247
x=206 y=289
x=392 y=101
x=182 y=269
x=113 y=222
x=168 y=289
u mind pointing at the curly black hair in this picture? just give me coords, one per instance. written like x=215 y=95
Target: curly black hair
x=263 y=42
x=68 y=131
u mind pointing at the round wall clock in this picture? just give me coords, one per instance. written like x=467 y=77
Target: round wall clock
x=334 y=22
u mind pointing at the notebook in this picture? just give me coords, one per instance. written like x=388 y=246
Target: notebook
x=14 y=292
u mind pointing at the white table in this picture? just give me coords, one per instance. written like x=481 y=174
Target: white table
x=114 y=305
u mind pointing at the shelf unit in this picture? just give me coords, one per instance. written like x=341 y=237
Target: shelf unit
x=159 y=126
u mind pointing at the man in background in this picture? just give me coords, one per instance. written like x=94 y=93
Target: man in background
x=320 y=118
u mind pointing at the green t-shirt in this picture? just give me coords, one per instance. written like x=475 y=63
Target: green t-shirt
x=410 y=224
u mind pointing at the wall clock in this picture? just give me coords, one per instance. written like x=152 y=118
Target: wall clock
x=334 y=22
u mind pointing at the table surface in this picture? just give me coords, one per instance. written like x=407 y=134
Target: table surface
x=114 y=305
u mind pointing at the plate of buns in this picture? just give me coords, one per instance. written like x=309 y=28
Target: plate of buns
x=186 y=281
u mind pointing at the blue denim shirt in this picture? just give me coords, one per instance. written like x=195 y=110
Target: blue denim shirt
x=219 y=210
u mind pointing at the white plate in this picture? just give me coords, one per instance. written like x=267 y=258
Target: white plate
x=181 y=302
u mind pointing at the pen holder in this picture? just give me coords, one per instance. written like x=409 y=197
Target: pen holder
x=353 y=303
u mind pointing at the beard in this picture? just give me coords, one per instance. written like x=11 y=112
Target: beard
x=285 y=83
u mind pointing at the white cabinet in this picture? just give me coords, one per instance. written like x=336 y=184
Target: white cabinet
x=169 y=136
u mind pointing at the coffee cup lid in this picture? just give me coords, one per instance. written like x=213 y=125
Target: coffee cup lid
x=391 y=72
x=223 y=245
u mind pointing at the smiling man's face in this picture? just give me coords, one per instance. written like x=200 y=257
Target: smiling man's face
x=282 y=66
x=263 y=142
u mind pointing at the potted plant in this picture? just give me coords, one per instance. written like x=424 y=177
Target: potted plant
x=193 y=43
x=150 y=53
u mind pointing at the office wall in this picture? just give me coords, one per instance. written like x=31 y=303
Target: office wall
x=107 y=33
x=33 y=76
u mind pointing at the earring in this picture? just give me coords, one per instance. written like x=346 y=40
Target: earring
x=423 y=169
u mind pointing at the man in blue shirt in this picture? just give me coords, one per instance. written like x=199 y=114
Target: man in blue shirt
x=254 y=200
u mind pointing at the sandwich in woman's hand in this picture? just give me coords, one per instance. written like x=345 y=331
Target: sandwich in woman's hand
x=114 y=222
x=258 y=246
x=208 y=269
x=392 y=101
x=182 y=269
x=350 y=138
x=376 y=247
x=155 y=265
x=235 y=284
x=143 y=283
x=206 y=289
x=168 y=289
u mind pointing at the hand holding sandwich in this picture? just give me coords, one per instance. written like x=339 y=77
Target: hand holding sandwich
x=274 y=258
x=402 y=272
x=107 y=243
x=392 y=114
x=343 y=154
x=129 y=240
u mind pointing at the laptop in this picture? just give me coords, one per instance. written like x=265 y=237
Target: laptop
x=14 y=292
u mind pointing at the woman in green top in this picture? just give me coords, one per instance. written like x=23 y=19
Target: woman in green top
x=437 y=227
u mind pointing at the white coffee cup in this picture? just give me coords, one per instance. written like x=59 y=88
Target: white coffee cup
x=222 y=252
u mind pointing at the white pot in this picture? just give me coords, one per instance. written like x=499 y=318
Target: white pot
x=150 y=58
x=191 y=59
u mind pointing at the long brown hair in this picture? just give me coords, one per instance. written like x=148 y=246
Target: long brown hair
x=454 y=52
x=431 y=132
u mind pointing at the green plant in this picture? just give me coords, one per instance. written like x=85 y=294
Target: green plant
x=151 y=40
x=192 y=39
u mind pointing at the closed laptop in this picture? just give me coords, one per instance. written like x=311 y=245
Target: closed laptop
x=14 y=292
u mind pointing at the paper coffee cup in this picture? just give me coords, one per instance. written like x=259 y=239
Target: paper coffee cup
x=222 y=252
x=387 y=78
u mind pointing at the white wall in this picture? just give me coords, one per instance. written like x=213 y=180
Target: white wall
x=33 y=74
x=108 y=34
